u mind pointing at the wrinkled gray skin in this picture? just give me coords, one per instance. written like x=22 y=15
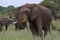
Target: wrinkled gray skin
x=39 y=18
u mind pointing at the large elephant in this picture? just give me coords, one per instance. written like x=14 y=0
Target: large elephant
x=4 y=21
x=39 y=18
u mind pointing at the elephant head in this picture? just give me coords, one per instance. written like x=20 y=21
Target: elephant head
x=27 y=12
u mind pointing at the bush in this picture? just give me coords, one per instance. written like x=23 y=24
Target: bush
x=51 y=5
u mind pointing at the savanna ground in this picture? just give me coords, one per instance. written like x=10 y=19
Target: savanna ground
x=25 y=34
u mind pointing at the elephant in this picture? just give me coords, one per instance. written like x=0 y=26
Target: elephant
x=39 y=18
x=4 y=21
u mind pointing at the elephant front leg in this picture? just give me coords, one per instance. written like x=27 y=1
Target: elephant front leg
x=1 y=27
x=41 y=33
x=40 y=30
x=34 y=31
x=6 y=27
x=16 y=27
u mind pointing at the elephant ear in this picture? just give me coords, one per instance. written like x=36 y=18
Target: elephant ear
x=34 y=13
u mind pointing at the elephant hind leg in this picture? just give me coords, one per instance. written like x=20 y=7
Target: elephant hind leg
x=46 y=29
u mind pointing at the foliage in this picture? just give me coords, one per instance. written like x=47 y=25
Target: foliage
x=51 y=5
x=8 y=11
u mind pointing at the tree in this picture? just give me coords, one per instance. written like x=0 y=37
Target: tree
x=10 y=11
x=51 y=5
x=58 y=4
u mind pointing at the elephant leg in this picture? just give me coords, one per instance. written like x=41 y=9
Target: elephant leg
x=16 y=27
x=6 y=27
x=41 y=33
x=40 y=30
x=1 y=27
x=50 y=29
x=45 y=32
x=34 y=32
x=47 y=28
x=32 y=29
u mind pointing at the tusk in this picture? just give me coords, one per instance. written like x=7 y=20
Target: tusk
x=23 y=20
x=14 y=22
